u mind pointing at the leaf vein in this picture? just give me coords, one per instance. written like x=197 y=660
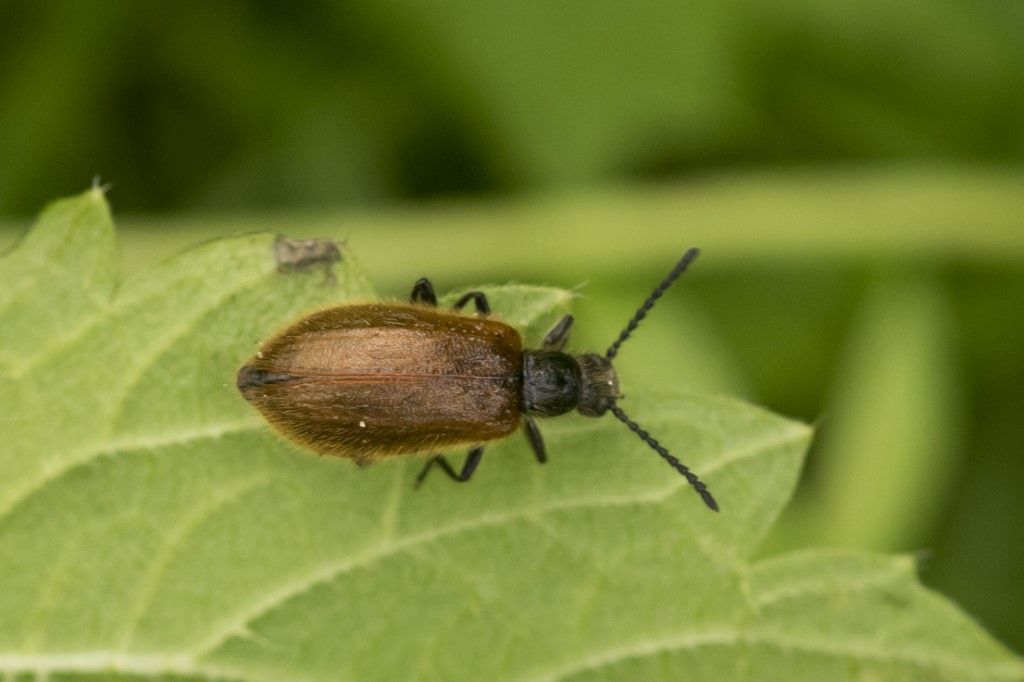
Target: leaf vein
x=167 y=342
x=105 y=662
x=111 y=448
x=332 y=570
x=818 y=588
x=173 y=543
x=927 y=660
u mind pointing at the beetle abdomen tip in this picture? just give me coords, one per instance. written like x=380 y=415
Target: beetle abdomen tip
x=250 y=377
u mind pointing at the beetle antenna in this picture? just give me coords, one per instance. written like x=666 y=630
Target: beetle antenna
x=642 y=311
x=697 y=484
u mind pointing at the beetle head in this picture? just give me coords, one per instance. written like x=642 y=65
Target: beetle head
x=599 y=387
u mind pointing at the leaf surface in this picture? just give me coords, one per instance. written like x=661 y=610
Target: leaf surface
x=153 y=526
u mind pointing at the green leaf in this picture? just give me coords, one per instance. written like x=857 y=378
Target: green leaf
x=152 y=525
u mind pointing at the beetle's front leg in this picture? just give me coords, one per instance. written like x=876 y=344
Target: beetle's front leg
x=559 y=334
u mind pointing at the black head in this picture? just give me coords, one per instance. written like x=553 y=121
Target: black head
x=554 y=382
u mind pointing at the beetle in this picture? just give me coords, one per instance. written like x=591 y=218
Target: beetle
x=366 y=381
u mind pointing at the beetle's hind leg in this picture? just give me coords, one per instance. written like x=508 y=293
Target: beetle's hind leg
x=536 y=440
x=479 y=298
x=423 y=292
x=468 y=467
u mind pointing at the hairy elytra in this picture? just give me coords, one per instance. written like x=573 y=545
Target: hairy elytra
x=366 y=381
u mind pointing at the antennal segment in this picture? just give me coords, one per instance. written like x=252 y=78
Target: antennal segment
x=697 y=484
x=642 y=311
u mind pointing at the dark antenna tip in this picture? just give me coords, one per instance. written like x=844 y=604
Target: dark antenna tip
x=645 y=308
x=691 y=477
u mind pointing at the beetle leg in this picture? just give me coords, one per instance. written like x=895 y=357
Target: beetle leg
x=559 y=334
x=478 y=297
x=468 y=467
x=423 y=292
x=536 y=440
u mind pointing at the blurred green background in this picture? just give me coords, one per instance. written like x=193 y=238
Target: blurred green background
x=853 y=171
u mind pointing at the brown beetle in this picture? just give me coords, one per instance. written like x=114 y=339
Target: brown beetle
x=374 y=380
